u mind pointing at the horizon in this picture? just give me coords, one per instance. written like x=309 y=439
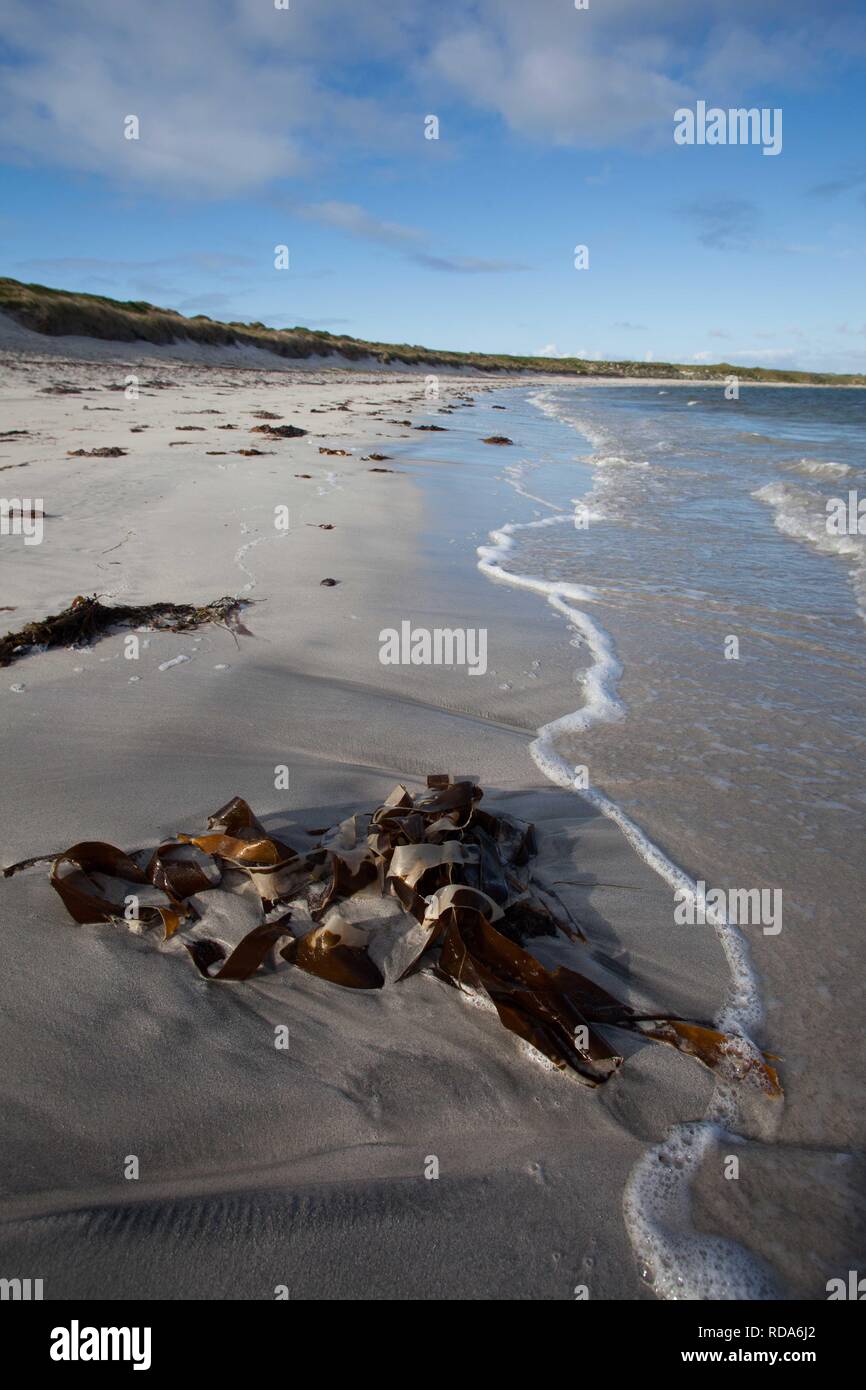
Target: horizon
x=557 y=130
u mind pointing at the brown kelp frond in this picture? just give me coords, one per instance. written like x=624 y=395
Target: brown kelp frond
x=459 y=896
x=88 y=618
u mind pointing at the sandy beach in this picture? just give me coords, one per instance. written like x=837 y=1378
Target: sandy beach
x=432 y=671
x=306 y=1169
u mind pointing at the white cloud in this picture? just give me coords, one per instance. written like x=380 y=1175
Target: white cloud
x=236 y=95
x=230 y=97
x=351 y=218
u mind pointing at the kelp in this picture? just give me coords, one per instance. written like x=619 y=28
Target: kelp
x=459 y=881
x=279 y=431
x=110 y=452
x=87 y=618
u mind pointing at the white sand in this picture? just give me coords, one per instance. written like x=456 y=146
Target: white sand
x=261 y=1168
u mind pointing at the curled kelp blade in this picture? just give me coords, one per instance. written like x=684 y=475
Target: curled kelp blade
x=262 y=853
x=532 y=1001
x=236 y=817
x=86 y=901
x=246 y=957
x=436 y=916
x=171 y=868
x=338 y=952
x=714 y=1049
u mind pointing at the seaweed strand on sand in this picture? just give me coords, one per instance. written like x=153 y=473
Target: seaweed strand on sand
x=88 y=617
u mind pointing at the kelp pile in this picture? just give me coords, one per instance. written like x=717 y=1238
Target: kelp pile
x=88 y=618
x=460 y=899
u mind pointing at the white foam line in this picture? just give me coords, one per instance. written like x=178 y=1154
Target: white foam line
x=602 y=705
x=678 y=1262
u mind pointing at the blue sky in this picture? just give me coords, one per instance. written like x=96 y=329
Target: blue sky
x=305 y=127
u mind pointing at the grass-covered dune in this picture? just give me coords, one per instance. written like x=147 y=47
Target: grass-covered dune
x=59 y=313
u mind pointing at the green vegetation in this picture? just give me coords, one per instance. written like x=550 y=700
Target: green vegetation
x=59 y=313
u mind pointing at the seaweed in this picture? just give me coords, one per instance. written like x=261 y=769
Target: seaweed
x=279 y=431
x=461 y=883
x=87 y=618
x=111 y=452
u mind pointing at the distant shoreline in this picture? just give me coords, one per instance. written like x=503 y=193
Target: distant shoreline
x=34 y=314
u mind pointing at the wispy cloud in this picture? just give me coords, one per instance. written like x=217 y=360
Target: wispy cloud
x=414 y=243
x=850 y=180
x=724 y=224
x=211 y=261
x=355 y=220
x=466 y=265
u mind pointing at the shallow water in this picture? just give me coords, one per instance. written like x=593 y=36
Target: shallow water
x=724 y=712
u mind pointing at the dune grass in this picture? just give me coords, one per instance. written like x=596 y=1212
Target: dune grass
x=59 y=313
